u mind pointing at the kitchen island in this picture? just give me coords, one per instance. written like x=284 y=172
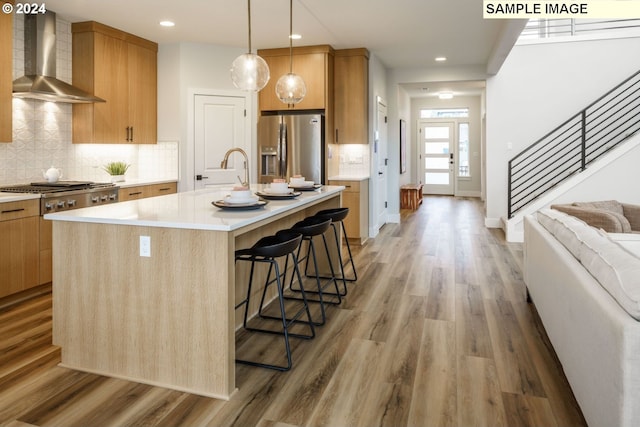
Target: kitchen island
x=145 y=290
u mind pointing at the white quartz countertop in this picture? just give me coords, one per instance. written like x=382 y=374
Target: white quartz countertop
x=16 y=197
x=348 y=177
x=189 y=210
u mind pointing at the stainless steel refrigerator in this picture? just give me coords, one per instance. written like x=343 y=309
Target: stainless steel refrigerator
x=291 y=144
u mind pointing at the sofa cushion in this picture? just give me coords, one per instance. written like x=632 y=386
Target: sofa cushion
x=607 y=205
x=567 y=229
x=615 y=268
x=613 y=207
x=599 y=218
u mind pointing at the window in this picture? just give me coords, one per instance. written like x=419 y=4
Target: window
x=463 y=150
x=443 y=113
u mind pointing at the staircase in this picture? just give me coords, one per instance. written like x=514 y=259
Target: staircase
x=572 y=152
x=26 y=339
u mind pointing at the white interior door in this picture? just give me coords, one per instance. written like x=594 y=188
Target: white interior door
x=437 y=159
x=380 y=153
x=219 y=125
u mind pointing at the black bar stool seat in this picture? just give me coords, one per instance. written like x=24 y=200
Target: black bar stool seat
x=268 y=250
x=337 y=216
x=311 y=227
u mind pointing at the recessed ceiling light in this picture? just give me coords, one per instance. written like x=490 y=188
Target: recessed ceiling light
x=445 y=95
x=167 y=23
x=295 y=36
x=441 y=58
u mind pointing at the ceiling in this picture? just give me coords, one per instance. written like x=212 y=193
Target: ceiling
x=403 y=34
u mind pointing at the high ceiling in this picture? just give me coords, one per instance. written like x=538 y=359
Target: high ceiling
x=401 y=33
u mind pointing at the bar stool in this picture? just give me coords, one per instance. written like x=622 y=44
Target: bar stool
x=268 y=250
x=337 y=215
x=309 y=228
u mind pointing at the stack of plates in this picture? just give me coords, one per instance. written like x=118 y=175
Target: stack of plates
x=268 y=193
x=236 y=203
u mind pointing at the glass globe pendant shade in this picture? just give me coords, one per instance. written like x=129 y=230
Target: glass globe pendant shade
x=290 y=88
x=249 y=72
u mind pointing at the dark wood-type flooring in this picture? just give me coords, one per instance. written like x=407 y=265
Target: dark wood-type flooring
x=436 y=332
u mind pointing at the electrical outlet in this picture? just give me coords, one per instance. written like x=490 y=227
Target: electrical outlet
x=145 y=246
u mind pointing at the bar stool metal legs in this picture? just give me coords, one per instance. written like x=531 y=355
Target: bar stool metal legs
x=268 y=250
x=311 y=227
x=337 y=216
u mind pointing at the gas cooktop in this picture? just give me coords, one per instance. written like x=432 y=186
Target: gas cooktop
x=55 y=187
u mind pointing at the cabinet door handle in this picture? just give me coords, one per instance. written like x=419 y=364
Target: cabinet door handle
x=12 y=210
x=164 y=189
x=127 y=138
x=336 y=136
x=131 y=139
x=136 y=193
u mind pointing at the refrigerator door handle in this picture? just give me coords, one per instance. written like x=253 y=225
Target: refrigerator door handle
x=283 y=150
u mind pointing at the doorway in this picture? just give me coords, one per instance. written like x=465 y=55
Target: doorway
x=379 y=172
x=220 y=123
x=437 y=157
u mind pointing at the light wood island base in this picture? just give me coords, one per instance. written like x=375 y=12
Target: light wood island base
x=166 y=320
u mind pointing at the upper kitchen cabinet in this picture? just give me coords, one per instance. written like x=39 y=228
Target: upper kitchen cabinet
x=6 y=75
x=122 y=69
x=351 y=96
x=313 y=63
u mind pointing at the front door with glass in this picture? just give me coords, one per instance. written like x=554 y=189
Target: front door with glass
x=437 y=159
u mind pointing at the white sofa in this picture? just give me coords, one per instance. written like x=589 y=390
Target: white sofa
x=586 y=288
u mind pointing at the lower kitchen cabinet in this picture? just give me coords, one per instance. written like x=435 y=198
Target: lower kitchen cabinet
x=19 y=251
x=356 y=198
x=46 y=250
x=144 y=191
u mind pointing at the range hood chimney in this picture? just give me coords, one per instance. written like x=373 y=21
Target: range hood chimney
x=39 y=81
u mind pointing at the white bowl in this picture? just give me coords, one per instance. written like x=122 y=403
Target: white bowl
x=297 y=181
x=278 y=188
x=237 y=195
x=236 y=201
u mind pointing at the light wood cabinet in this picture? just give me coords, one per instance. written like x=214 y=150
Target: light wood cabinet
x=46 y=251
x=356 y=198
x=19 y=253
x=122 y=69
x=6 y=76
x=351 y=96
x=313 y=63
x=144 y=191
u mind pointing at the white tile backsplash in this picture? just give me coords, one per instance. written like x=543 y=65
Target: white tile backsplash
x=354 y=159
x=42 y=133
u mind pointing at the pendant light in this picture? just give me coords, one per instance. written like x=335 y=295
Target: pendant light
x=290 y=87
x=249 y=71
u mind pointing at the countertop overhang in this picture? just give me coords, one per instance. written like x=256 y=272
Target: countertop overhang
x=190 y=210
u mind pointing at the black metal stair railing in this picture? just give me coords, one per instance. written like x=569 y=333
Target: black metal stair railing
x=575 y=144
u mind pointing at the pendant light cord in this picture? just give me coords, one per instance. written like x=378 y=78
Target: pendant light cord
x=290 y=36
x=249 y=19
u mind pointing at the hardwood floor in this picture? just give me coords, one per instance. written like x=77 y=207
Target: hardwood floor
x=436 y=332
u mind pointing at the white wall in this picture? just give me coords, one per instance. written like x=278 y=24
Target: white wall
x=399 y=107
x=540 y=86
x=616 y=181
x=188 y=68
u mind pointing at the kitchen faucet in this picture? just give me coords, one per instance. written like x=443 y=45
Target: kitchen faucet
x=224 y=162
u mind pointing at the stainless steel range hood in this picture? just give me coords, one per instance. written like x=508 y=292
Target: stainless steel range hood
x=39 y=81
